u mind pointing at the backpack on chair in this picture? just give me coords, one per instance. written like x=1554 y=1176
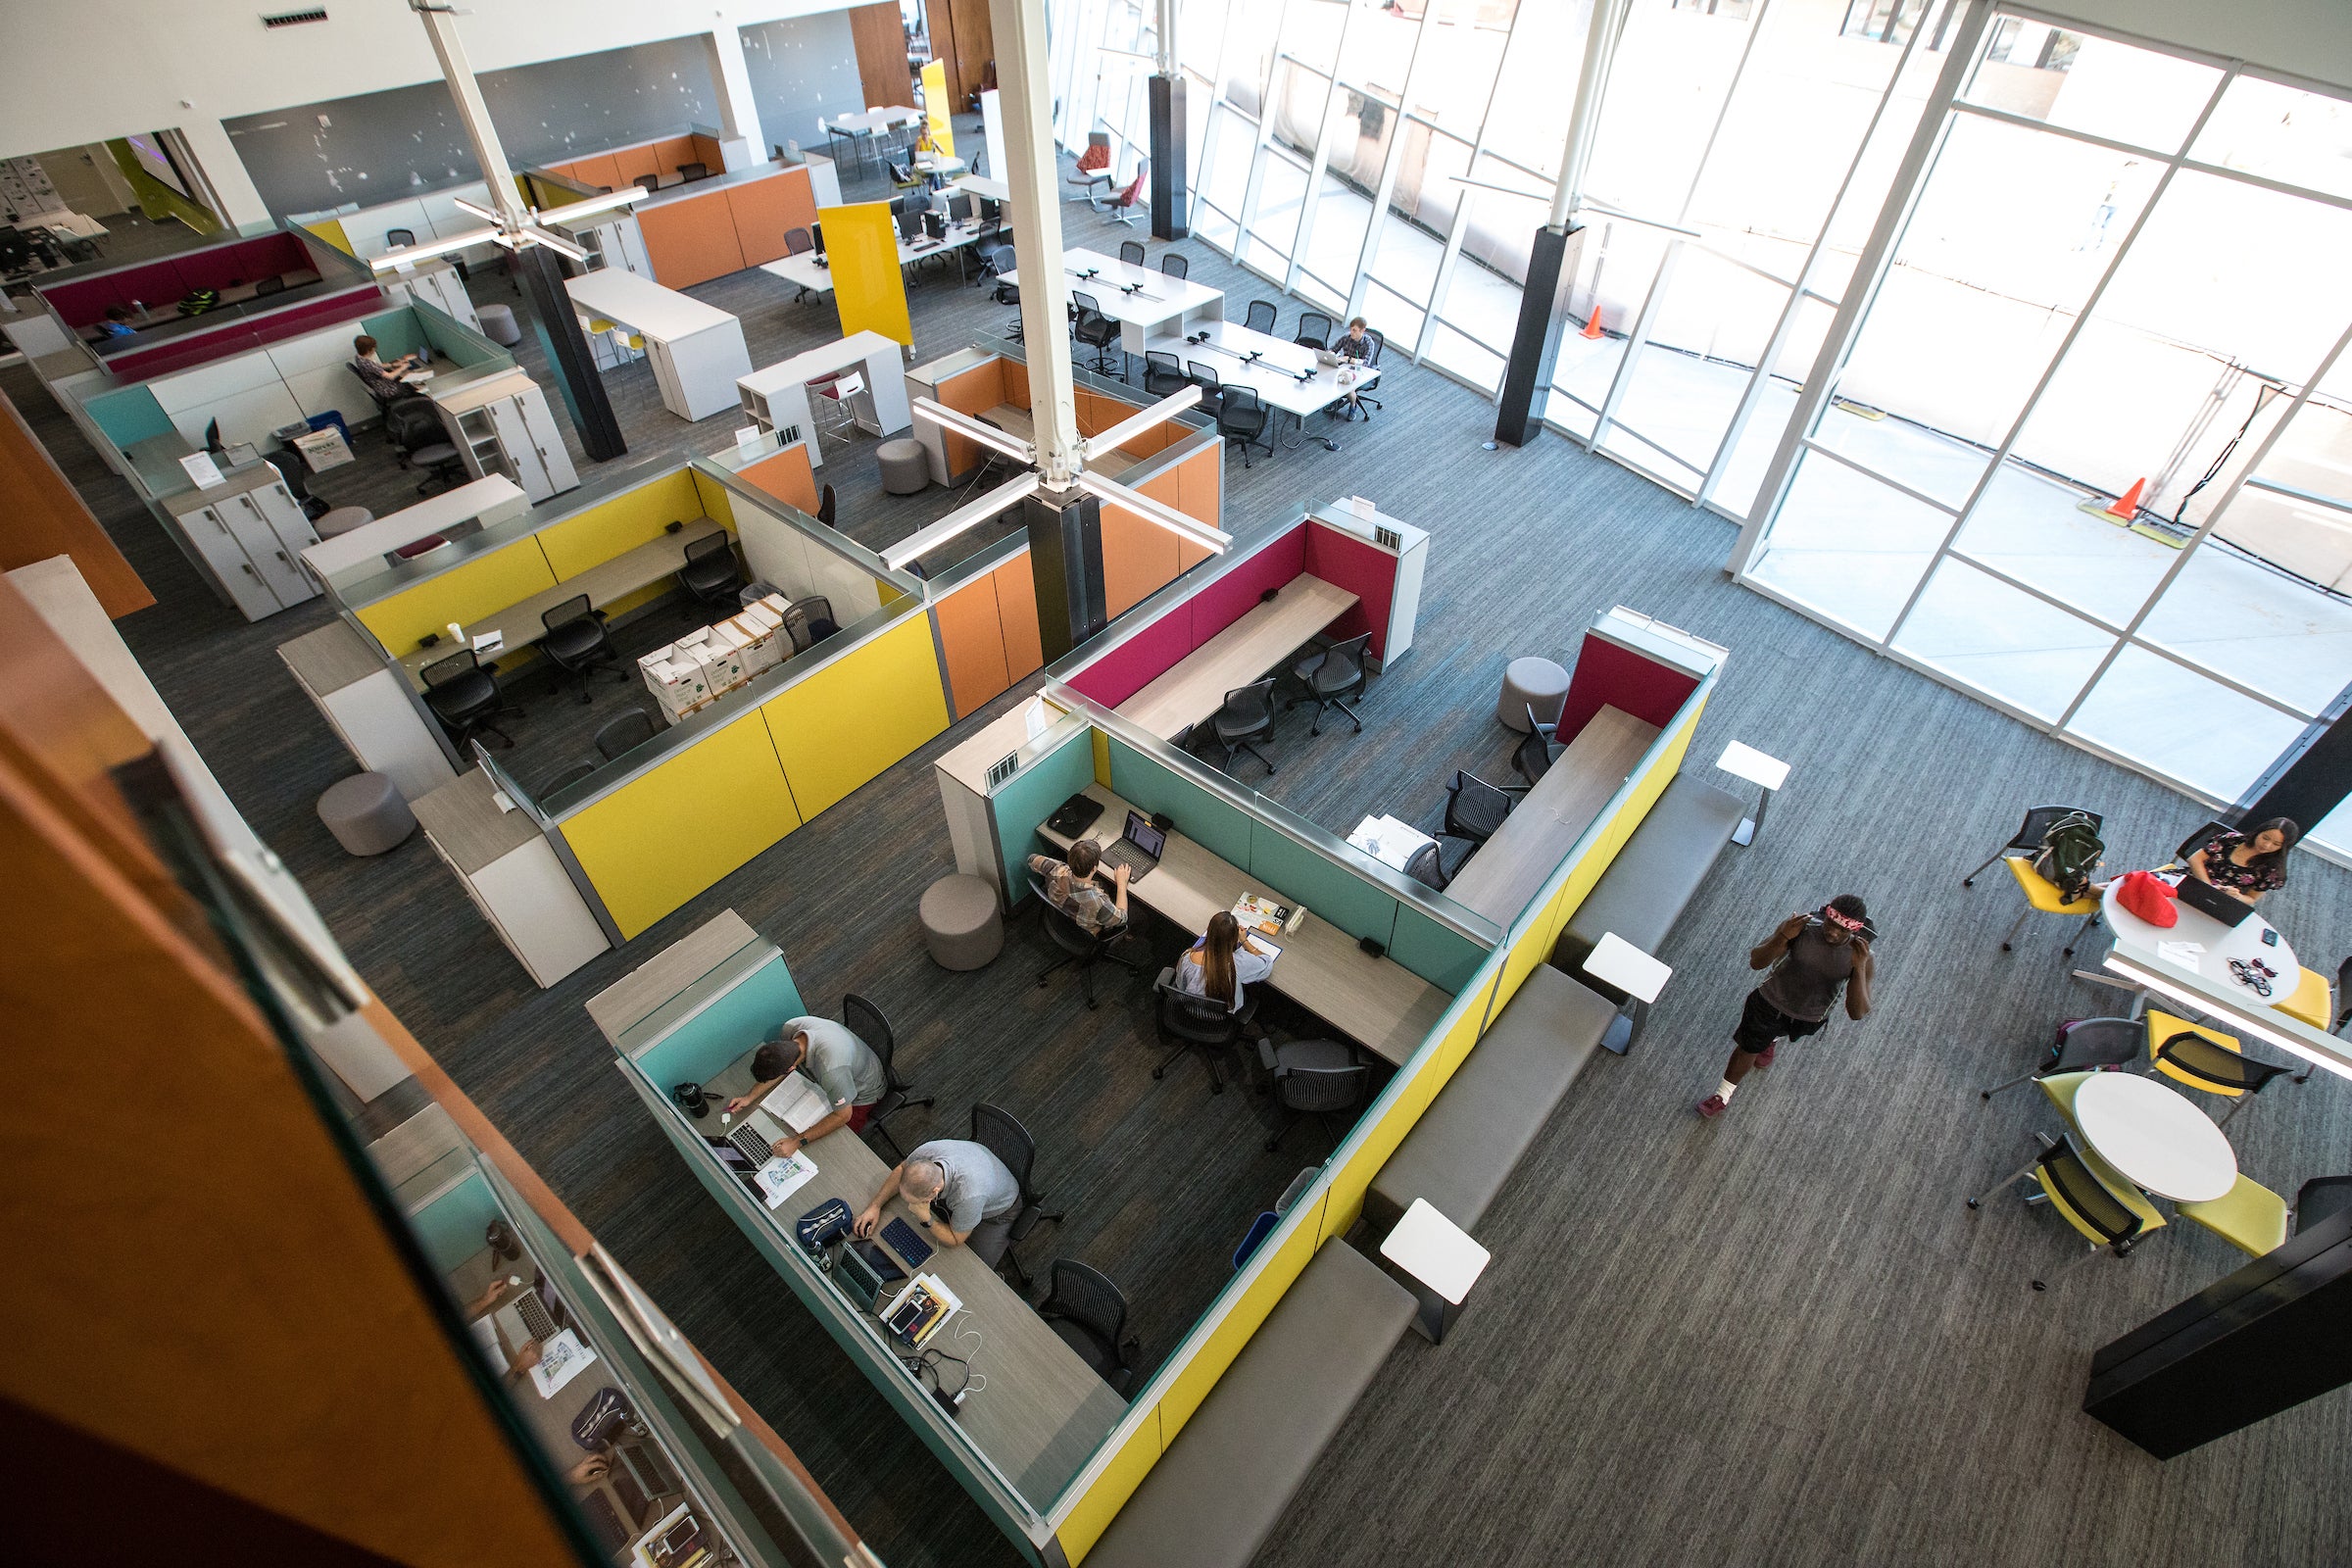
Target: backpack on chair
x=2070 y=851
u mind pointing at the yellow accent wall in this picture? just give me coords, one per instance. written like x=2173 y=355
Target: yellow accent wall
x=1092 y=1514
x=842 y=725
x=612 y=528
x=330 y=229
x=1430 y=1070
x=717 y=505
x=654 y=843
x=463 y=594
x=1101 y=759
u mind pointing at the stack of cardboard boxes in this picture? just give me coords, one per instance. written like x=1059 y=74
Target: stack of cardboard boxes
x=703 y=667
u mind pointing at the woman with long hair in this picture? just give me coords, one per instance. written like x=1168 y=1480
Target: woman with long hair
x=2247 y=863
x=1223 y=964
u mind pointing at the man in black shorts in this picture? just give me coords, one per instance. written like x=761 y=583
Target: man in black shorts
x=1812 y=958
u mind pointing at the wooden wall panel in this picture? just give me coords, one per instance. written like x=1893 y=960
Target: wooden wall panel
x=880 y=39
x=41 y=515
x=975 y=47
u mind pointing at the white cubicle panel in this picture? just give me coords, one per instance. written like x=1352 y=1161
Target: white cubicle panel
x=244 y=392
x=317 y=369
x=786 y=560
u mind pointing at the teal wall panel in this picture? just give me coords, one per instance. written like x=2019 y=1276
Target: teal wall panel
x=1443 y=956
x=1218 y=826
x=450 y=1227
x=748 y=1013
x=1340 y=897
x=1030 y=797
x=130 y=415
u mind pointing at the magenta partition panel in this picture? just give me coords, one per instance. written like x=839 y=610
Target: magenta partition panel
x=1139 y=660
x=1365 y=570
x=1219 y=604
x=1607 y=674
x=236 y=334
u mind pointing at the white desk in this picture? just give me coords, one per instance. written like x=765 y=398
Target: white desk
x=2221 y=944
x=2155 y=1137
x=777 y=397
x=1441 y=1260
x=487 y=501
x=873 y=119
x=995 y=191
x=1159 y=306
x=804 y=271
x=698 y=350
x=1274 y=376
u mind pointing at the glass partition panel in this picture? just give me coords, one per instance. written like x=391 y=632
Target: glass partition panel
x=1615 y=272
x=1475 y=362
x=2182 y=724
x=2083 y=82
x=1847 y=546
x=1776 y=405
x=1710 y=330
x=1281 y=193
x=2281 y=132
x=1421 y=208
x=2025 y=651
x=2236 y=614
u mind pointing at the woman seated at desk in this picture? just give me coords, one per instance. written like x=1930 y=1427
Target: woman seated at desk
x=2246 y=865
x=1223 y=964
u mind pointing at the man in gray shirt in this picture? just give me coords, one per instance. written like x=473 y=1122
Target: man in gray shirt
x=1813 y=956
x=842 y=1065
x=959 y=1191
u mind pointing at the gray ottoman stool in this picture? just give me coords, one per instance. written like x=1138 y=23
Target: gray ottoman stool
x=342 y=521
x=962 y=927
x=906 y=466
x=1535 y=683
x=365 y=814
x=498 y=325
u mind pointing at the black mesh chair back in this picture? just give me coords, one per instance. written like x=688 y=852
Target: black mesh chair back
x=1090 y=1315
x=864 y=1020
x=1380 y=341
x=649 y=183
x=1131 y=251
x=1172 y=264
x=2343 y=997
x=1538 y=750
x=1205 y=378
x=797 y=242
x=1474 y=808
x=709 y=571
x=463 y=695
x=412 y=423
x=566 y=779
x=1312 y=1078
x=1428 y=867
x=1321 y=1089
x=622 y=735
x=1247 y=714
x=575 y=639
x=1163 y=374
x=2196 y=841
x=1314 y=329
x=2211 y=1066
x=2321 y=1197
x=1194 y=1026
x=811 y=621
x=1260 y=316
x=1242 y=417
x=694 y=170
x=995 y=1130
x=1094 y=330
x=2080 y=1046
x=1333 y=678
x=274 y=284
x=2079 y=1186
x=1067 y=934
x=450 y=672
x=399 y=238
x=2029 y=835
x=565 y=616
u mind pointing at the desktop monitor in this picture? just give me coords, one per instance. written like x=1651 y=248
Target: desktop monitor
x=910 y=223
x=817 y=237
x=959 y=206
x=991 y=209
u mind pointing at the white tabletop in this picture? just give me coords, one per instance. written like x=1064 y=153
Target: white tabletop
x=374 y=540
x=1157 y=297
x=803 y=270
x=1743 y=760
x=802 y=369
x=643 y=306
x=2155 y=1137
x=871 y=120
x=1437 y=1251
x=2221 y=944
x=982 y=185
x=1616 y=961
x=1273 y=376
x=939 y=163
x=1389 y=841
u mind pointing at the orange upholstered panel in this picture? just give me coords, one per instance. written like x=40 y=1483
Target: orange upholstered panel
x=673 y=150
x=1201 y=489
x=1016 y=606
x=690 y=242
x=595 y=170
x=760 y=219
x=630 y=161
x=707 y=153
x=787 y=476
x=972 y=637
x=1016 y=383
x=973 y=391
x=1139 y=558
x=798 y=200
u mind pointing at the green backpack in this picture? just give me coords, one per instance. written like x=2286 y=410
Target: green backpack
x=2070 y=851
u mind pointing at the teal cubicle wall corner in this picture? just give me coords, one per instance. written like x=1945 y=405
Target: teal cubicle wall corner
x=454 y=339
x=1334 y=892
x=1437 y=954
x=1218 y=826
x=1029 y=797
x=128 y=416
x=699 y=1047
x=449 y=1225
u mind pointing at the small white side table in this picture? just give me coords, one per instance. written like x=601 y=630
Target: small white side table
x=1442 y=1262
x=1743 y=760
x=1618 y=963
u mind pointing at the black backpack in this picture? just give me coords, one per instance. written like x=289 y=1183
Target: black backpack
x=2070 y=851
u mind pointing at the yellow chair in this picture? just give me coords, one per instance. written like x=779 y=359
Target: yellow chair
x=2249 y=1216
x=2314 y=1002
x=597 y=325
x=2208 y=1060
x=2043 y=898
x=637 y=342
x=2162 y=1026
x=2087 y=1192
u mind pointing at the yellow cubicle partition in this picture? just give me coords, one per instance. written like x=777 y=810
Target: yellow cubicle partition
x=861 y=252
x=936 y=106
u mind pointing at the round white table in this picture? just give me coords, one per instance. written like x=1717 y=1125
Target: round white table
x=2155 y=1137
x=2222 y=943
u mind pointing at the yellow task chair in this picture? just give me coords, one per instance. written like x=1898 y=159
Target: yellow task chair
x=2043 y=898
x=2249 y=1216
x=2207 y=1060
x=2314 y=1002
x=2087 y=1192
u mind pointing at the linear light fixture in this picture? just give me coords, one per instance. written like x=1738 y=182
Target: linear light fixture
x=962 y=520
x=556 y=243
x=1127 y=429
x=603 y=203
x=410 y=254
x=1213 y=540
x=477 y=210
x=2141 y=975
x=988 y=435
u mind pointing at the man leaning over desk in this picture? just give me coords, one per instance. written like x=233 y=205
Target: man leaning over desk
x=951 y=1179
x=842 y=1065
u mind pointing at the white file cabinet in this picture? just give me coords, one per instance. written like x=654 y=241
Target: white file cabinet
x=249 y=533
x=501 y=424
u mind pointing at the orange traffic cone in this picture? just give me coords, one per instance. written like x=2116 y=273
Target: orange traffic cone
x=1592 y=328
x=2126 y=506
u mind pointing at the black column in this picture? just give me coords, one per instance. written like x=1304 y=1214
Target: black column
x=2312 y=777
x=1065 y=558
x=576 y=375
x=1535 y=345
x=1169 y=219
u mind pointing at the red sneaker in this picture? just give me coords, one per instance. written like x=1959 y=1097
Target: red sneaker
x=1764 y=1057
x=1712 y=1107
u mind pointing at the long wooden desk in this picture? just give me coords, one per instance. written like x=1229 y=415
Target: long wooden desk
x=1043 y=1410
x=1511 y=867
x=1195 y=686
x=1378 y=1004
x=602 y=583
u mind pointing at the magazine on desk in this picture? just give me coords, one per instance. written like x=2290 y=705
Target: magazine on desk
x=1261 y=917
x=798 y=1103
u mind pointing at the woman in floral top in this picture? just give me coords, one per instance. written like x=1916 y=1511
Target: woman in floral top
x=2248 y=865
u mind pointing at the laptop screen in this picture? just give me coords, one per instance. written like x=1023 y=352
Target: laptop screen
x=1144 y=836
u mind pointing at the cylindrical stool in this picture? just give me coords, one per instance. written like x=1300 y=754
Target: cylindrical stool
x=1535 y=683
x=498 y=325
x=962 y=927
x=342 y=521
x=365 y=814
x=906 y=466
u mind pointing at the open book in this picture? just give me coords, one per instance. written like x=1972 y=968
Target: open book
x=799 y=1102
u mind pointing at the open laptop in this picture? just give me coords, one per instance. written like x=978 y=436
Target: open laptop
x=1138 y=849
x=794 y=1105
x=2208 y=899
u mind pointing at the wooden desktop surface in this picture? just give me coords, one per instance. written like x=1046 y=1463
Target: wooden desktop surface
x=1378 y=1002
x=602 y=583
x=1043 y=1410
x=645 y=990
x=1195 y=686
x=1511 y=867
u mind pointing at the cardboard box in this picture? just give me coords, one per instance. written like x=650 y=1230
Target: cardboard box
x=677 y=683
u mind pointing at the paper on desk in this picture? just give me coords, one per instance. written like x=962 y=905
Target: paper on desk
x=2188 y=954
x=202 y=469
x=560 y=1359
x=780 y=1178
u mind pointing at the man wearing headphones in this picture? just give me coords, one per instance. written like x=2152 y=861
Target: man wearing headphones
x=1812 y=958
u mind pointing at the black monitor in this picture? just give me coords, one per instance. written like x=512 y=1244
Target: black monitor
x=212 y=437
x=959 y=206
x=910 y=223
x=991 y=209
x=817 y=237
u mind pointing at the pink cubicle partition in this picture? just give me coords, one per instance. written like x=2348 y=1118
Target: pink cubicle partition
x=83 y=300
x=1612 y=674
x=237 y=335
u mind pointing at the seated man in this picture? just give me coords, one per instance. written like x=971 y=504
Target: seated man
x=519 y=1358
x=1355 y=343
x=950 y=1182
x=843 y=1066
x=1076 y=888
x=382 y=381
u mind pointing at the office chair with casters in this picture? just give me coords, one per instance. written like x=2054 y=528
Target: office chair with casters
x=2249 y=1216
x=2082 y=1045
x=708 y=570
x=564 y=780
x=1247 y=716
x=1331 y=677
x=1212 y=391
x=424 y=445
x=828 y=507
x=798 y=241
x=1314 y=330
x=1541 y=748
x=2089 y=1194
x=576 y=640
x=1090 y=1315
x=2043 y=898
x=1351 y=406
x=1260 y=317
x=465 y=697
x=694 y=171
x=1241 y=419
x=617 y=737
x=1174 y=266
x=1094 y=330
x=292 y=468
x=1427 y=866
x=1163 y=374
x=1079 y=947
x=995 y=1130
x=810 y=621
x=1475 y=808
x=2200 y=1058
x=1124 y=206
x=1131 y=251
x=904 y=177
x=1193 y=1025
x=1002 y=261
x=1311 y=1078
x=399 y=238
x=2320 y=1198
x=2191 y=845
x=2027 y=837
x=864 y=1020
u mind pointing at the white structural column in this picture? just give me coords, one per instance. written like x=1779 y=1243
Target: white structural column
x=738 y=110
x=440 y=25
x=239 y=200
x=1026 y=165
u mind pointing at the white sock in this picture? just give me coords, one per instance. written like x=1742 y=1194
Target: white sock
x=1726 y=1090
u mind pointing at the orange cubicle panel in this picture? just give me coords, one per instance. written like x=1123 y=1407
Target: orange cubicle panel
x=787 y=476
x=690 y=242
x=598 y=170
x=764 y=209
x=988 y=633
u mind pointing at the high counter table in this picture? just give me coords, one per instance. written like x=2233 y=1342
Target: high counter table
x=1508 y=868
x=698 y=350
x=1145 y=301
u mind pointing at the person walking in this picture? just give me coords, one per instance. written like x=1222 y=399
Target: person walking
x=1812 y=958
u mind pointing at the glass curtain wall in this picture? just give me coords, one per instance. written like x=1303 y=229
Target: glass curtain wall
x=2088 y=453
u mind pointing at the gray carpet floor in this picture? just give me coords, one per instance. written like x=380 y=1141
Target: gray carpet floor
x=1775 y=1339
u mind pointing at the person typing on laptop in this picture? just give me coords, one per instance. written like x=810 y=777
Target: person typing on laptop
x=2246 y=865
x=946 y=1182
x=1076 y=887
x=842 y=1065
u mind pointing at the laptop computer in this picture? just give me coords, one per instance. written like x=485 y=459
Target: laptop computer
x=794 y=1105
x=2208 y=899
x=1138 y=849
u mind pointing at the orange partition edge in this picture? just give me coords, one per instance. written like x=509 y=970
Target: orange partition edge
x=787 y=476
x=971 y=636
x=973 y=391
x=758 y=210
x=691 y=242
x=1016 y=606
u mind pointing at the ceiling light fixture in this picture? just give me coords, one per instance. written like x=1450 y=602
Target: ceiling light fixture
x=962 y=520
x=1128 y=429
x=2142 y=975
x=988 y=435
x=1213 y=540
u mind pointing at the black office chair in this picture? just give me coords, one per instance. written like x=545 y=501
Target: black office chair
x=797 y=242
x=1314 y=329
x=1246 y=714
x=1242 y=417
x=1212 y=391
x=292 y=469
x=1131 y=251
x=418 y=437
x=2027 y=837
x=810 y=621
x=564 y=780
x=1163 y=374
x=828 y=507
x=1260 y=317
x=1095 y=331
x=1201 y=1026
x=1331 y=677
x=2343 y=997
x=1538 y=750
x=687 y=171
x=649 y=183
x=1174 y=266
x=2207 y=1066
x=709 y=571
x=1349 y=408
x=619 y=736
x=465 y=697
x=2082 y=1045
x=1090 y=1315
x=399 y=238
x=995 y=1130
x=1428 y=867
x=2321 y=1197
x=576 y=640
x=864 y=1020
x=1311 y=1078
x=1475 y=808
x=1079 y=946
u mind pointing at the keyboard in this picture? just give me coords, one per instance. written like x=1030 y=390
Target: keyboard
x=1122 y=851
x=911 y=1249
x=535 y=1316
x=755 y=1148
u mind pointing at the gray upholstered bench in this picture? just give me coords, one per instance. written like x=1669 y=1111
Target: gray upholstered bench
x=1221 y=1488
x=1462 y=1150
